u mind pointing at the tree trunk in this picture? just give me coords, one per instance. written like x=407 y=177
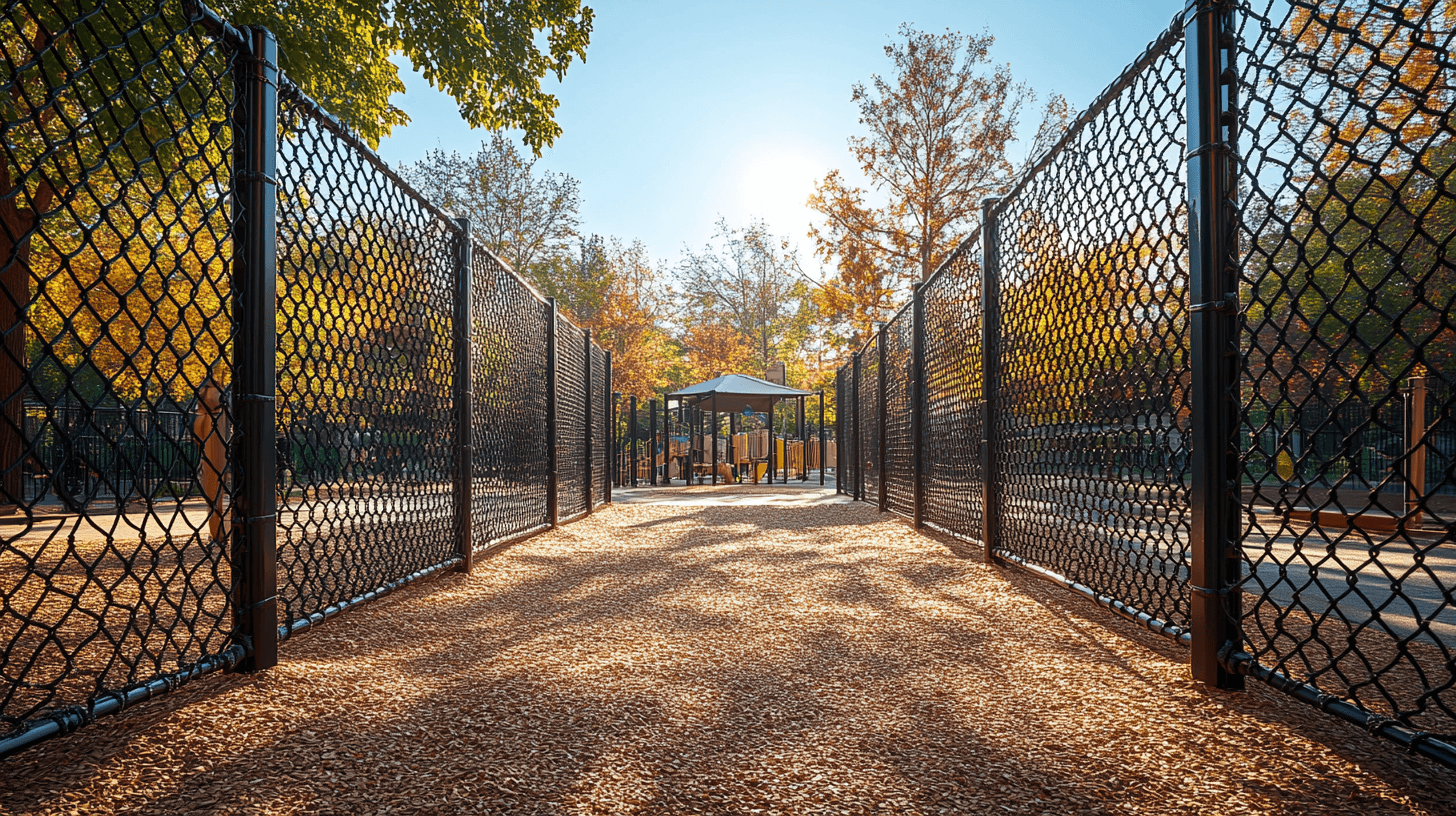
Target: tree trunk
x=15 y=247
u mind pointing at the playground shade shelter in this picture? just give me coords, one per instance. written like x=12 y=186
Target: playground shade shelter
x=730 y=395
x=734 y=392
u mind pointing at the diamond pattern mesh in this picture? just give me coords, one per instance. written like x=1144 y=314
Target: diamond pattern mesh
x=365 y=371
x=116 y=358
x=1092 y=410
x=953 y=399
x=1347 y=287
x=508 y=353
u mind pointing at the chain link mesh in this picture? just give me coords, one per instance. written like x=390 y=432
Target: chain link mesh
x=601 y=430
x=508 y=356
x=1349 y=207
x=571 y=419
x=1093 y=383
x=899 y=446
x=867 y=421
x=115 y=245
x=953 y=399
x=365 y=293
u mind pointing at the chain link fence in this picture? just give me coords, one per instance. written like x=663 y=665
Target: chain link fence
x=249 y=376
x=1216 y=400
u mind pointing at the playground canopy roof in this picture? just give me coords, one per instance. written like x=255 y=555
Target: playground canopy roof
x=734 y=392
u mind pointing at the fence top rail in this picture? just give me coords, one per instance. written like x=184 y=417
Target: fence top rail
x=529 y=287
x=326 y=120
x=1171 y=35
x=962 y=248
x=287 y=89
x=200 y=14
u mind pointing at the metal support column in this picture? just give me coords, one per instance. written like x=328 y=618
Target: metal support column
x=255 y=261
x=464 y=397
x=990 y=374
x=882 y=414
x=917 y=403
x=616 y=439
x=589 y=467
x=609 y=415
x=553 y=513
x=857 y=461
x=1213 y=350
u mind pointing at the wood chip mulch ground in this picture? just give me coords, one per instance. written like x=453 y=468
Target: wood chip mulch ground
x=737 y=660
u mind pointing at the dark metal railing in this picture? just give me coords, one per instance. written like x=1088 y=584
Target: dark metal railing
x=1192 y=364
x=251 y=377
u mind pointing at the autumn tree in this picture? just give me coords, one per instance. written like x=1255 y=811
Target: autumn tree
x=936 y=142
x=631 y=322
x=1356 y=289
x=116 y=114
x=526 y=217
x=750 y=281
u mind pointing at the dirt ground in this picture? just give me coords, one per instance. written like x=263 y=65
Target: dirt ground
x=739 y=658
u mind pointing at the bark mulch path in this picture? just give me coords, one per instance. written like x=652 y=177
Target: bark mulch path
x=734 y=659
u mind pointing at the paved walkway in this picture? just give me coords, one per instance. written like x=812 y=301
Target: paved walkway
x=792 y=655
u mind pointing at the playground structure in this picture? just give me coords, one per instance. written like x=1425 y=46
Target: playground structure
x=679 y=438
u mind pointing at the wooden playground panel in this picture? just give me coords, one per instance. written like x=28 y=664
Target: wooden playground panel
x=742 y=458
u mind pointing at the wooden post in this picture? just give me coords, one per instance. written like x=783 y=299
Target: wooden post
x=210 y=430
x=1416 y=447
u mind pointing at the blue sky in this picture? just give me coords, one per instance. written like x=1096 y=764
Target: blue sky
x=685 y=112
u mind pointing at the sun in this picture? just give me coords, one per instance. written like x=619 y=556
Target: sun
x=774 y=183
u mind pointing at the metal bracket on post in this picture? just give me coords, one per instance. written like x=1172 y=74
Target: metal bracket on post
x=917 y=402
x=464 y=399
x=255 y=349
x=1213 y=351
x=590 y=465
x=881 y=419
x=990 y=375
x=553 y=505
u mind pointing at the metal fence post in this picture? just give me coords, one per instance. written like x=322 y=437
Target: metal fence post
x=917 y=402
x=590 y=466
x=255 y=261
x=990 y=373
x=553 y=506
x=882 y=417
x=1213 y=351
x=857 y=479
x=464 y=398
x=609 y=414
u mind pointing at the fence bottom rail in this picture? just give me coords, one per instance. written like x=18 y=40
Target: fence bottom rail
x=1417 y=742
x=67 y=720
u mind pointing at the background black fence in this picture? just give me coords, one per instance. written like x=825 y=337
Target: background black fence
x=1198 y=362
x=249 y=378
